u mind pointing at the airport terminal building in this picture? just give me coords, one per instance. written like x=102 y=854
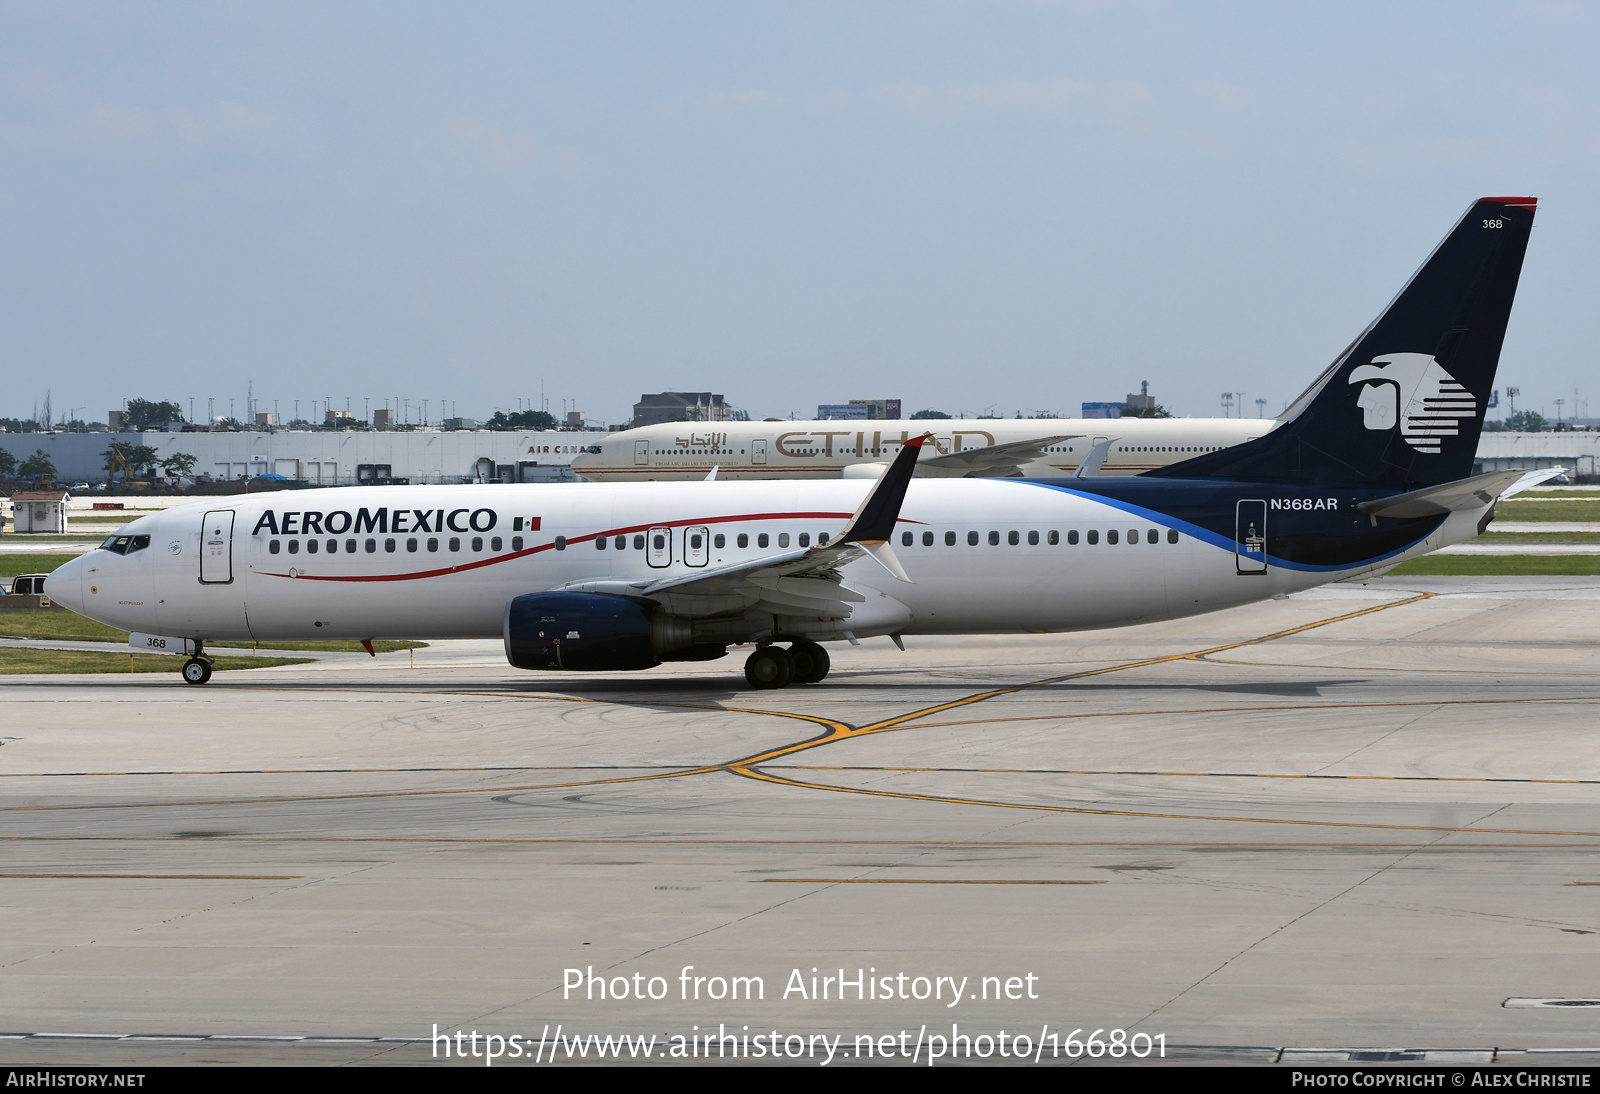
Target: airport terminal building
x=326 y=457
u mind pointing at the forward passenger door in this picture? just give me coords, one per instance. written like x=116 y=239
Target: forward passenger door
x=216 y=548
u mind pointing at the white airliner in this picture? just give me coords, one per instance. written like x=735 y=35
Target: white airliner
x=1369 y=468
x=978 y=448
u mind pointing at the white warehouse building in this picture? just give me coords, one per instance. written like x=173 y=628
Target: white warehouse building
x=1577 y=451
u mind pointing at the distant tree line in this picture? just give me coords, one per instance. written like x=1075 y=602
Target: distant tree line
x=1523 y=421
x=521 y=419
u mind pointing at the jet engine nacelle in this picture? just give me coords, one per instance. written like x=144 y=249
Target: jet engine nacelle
x=597 y=632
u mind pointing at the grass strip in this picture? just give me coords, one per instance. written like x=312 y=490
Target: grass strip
x=1500 y=566
x=1537 y=537
x=12 y=565
x=15 y=662
x=1519 y=508
x=69 y=626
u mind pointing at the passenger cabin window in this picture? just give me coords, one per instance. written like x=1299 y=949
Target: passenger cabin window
x=333 y=546
x=972 y=539
x=743 y=540
x=1033 y=539
x=783 y=539
x=1054 y=537
x=949 y=539
x=455 y=543
x=294 y=546
x=349 y=546
x=311 y=546
x=411 y=546
x=638 y=543
x=1152 y=536
x=600 y=543
x=822 y=539
x=372 y=546
x=494 y=544
x=1093 y=537
x=719 y=541
x=1013 y=538
x=516 y=543
x=1111 y=536
x=763 y=539
x=805 y=539
x=272 y=548
x=906 y=539
x=927 y=539
x=388 y=545
x=433 y=545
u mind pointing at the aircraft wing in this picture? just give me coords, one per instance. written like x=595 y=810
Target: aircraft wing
x=992 y=462
x=800 y=582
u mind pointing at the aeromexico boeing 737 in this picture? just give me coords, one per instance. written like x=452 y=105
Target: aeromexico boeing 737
x=1371 y=466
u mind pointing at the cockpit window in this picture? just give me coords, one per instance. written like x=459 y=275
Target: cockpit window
x=125 y=545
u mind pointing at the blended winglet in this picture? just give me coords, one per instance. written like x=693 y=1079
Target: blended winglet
x=874 y=521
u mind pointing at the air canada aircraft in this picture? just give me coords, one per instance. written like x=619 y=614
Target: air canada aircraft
x=1371 y=466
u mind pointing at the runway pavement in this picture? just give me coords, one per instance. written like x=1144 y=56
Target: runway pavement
x=1359 y=820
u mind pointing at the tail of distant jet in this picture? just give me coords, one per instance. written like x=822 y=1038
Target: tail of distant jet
x=1404 y=404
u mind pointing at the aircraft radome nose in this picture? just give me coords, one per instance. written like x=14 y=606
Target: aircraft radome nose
x=64 y=585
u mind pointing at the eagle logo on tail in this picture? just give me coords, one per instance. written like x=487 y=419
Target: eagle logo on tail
x=1412 y=391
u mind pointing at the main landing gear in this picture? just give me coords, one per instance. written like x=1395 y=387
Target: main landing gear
x=197 y=670
x=775 y=667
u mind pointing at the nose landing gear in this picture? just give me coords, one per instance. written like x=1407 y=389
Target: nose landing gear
x=772 y=667
x=197 y=670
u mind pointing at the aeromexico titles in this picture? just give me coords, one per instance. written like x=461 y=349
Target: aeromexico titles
x=1371 y=466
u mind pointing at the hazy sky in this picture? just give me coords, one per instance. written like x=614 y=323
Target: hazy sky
x=1018 y=205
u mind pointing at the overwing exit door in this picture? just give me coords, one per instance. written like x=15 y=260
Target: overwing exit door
x=658 y=550
x=696 y=546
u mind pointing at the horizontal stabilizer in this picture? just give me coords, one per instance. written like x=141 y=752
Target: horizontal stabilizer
x=1451 y=497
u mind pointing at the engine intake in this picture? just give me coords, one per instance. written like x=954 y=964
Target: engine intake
x=597 y=632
